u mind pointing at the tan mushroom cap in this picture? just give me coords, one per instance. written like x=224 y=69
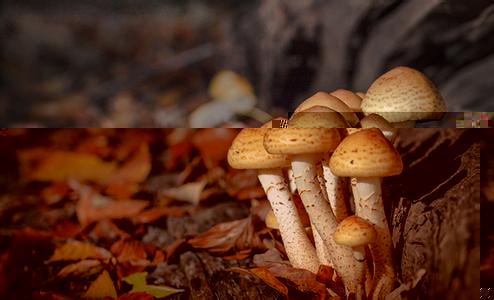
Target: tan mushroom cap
x=228 y=84
x=354 y=231
x=351 y=99
x=308 y=132
x=325 y=99
x=404 y=94
x=247 y=151
x=317 y=117
x=366 y=153
x=376 y=121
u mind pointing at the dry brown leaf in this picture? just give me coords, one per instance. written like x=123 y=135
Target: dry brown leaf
x=106 y=229
x=300 y=279
x=46 y=164
x=136 y=296
x=230 y=236
x=155 y=213
x=270 y=279
x=136 y=253
x=213 y=144
x=126 y=179
x=93 y=206
x=102 y=287
x=189 y=192
x=85 y=267
x=76 y=250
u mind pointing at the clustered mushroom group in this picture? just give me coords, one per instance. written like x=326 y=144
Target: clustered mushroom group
x=330 y=138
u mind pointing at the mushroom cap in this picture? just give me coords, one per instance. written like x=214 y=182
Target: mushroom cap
x=325 y=99
x=351 y=99
x=404 y=94
x=366 y=153
x=308 y=132
x=227 y=84
x=354 y=231
x=317 y=117
x=247 y=151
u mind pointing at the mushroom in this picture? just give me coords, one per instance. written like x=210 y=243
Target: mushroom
x=306 y=137
x=351 y=99
x=376 y=121
x=367 y=156
x=247 y=152
x=325 y=99
x=355 y=232
x=404 y=95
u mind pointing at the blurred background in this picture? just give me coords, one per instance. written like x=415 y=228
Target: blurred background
x=149 y=63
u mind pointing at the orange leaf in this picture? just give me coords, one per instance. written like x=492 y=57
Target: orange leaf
x=85 y=267
x=76 y=250
x=270 y=279
x=102 y=287
x=213 y=144
x=95 y=207
x=136 y=253
x=155 y=213
x=302 y=280
x=134 y=171
x=45 y=164
x=235 y=235
x=189 y=192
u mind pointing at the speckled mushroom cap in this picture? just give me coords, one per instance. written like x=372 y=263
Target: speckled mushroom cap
x=351 y=99
x=354 y=231
x=325 y=99
x=308 y=132
x=247 y=151
x=366 y=153
x=404 y=94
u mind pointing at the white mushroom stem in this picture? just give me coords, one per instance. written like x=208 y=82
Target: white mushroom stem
x=319 y=210
x=299 y=248
x=336 y=191
x=323 y=253
x=369 y=206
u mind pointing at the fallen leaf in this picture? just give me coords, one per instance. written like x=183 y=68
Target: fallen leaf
x=136 y=295
x=93 y=206
x=139 y=284
x=106 y=229
x=102 y=287
x=85 y=267
x=213 y=144
x=270 y=279
x=155 y=213
x=189 y=192
x=76 y=250
x=300 y=279
x=230 y=236
x=44 y=164
x=136 y=253
x=125 y=180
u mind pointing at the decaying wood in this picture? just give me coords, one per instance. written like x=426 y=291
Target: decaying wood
x=347 y=44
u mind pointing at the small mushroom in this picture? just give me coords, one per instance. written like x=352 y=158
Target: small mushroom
x=367 y=156
x=355 y=232
x=351 y=99
x=404 y=95
x=325 y=99
x=376 y=121
x=247 y=152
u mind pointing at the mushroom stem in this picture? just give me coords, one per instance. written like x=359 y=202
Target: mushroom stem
x=323 y=253
x=336 y=190
x=299 y=249
x=369 y=206
x=350 y=270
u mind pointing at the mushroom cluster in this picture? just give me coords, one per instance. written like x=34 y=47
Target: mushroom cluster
x=337 y=147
